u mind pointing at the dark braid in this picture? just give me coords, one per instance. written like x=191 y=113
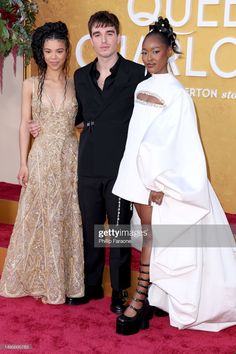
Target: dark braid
x=50 y=30
x=163 y=29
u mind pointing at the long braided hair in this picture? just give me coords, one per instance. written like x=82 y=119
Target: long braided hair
x=50 y=30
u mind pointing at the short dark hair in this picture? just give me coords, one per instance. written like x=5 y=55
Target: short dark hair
x=104 y=19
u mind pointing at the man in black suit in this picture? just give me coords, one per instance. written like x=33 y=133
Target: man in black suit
x=105 y=93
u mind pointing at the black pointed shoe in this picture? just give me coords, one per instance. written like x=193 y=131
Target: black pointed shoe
x=76 y=300
x=119 y=301
x=91 y=293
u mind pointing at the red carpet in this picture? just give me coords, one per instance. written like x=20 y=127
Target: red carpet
x=9 y=191
x=90 y=328
x=5 y=234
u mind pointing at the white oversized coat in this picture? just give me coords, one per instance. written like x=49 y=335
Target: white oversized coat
x=194 y=281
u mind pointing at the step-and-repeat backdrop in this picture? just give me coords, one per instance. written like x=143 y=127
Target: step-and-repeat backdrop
x=206 y=31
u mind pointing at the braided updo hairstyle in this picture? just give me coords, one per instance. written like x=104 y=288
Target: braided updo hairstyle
x=50 y=30
x=163 y=29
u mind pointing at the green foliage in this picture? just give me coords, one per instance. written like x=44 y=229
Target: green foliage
x=17 y=20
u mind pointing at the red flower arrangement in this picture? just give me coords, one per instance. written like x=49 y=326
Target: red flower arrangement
x=17 y=19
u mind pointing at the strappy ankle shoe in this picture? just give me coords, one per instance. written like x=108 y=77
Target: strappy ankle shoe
x=130 y=325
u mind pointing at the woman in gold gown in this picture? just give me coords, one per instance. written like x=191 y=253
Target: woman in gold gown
x=45 y=255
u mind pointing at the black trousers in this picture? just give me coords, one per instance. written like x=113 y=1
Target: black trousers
x=96 y=203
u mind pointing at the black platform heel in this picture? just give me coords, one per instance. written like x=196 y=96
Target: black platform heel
x=130 y=325
x=160 y=313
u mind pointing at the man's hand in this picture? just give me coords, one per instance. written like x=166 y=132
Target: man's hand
x=34 y=128
x=155 y=197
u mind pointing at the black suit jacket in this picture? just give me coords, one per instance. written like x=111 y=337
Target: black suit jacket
x=102 y=144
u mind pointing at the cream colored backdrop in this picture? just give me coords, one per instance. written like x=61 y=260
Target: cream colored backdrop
x=10 y=111
x=207 y=67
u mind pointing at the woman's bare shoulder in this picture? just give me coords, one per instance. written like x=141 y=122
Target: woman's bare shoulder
x=30 y=81
x=28 y=84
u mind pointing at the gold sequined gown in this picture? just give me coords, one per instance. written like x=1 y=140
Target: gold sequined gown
x=45 y=255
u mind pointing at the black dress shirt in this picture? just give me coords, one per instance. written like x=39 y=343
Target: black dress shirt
x=106 y=114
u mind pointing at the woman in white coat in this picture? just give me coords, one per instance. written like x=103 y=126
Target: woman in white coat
x=163 y=171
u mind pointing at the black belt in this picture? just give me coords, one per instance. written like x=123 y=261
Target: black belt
x=90 y=125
